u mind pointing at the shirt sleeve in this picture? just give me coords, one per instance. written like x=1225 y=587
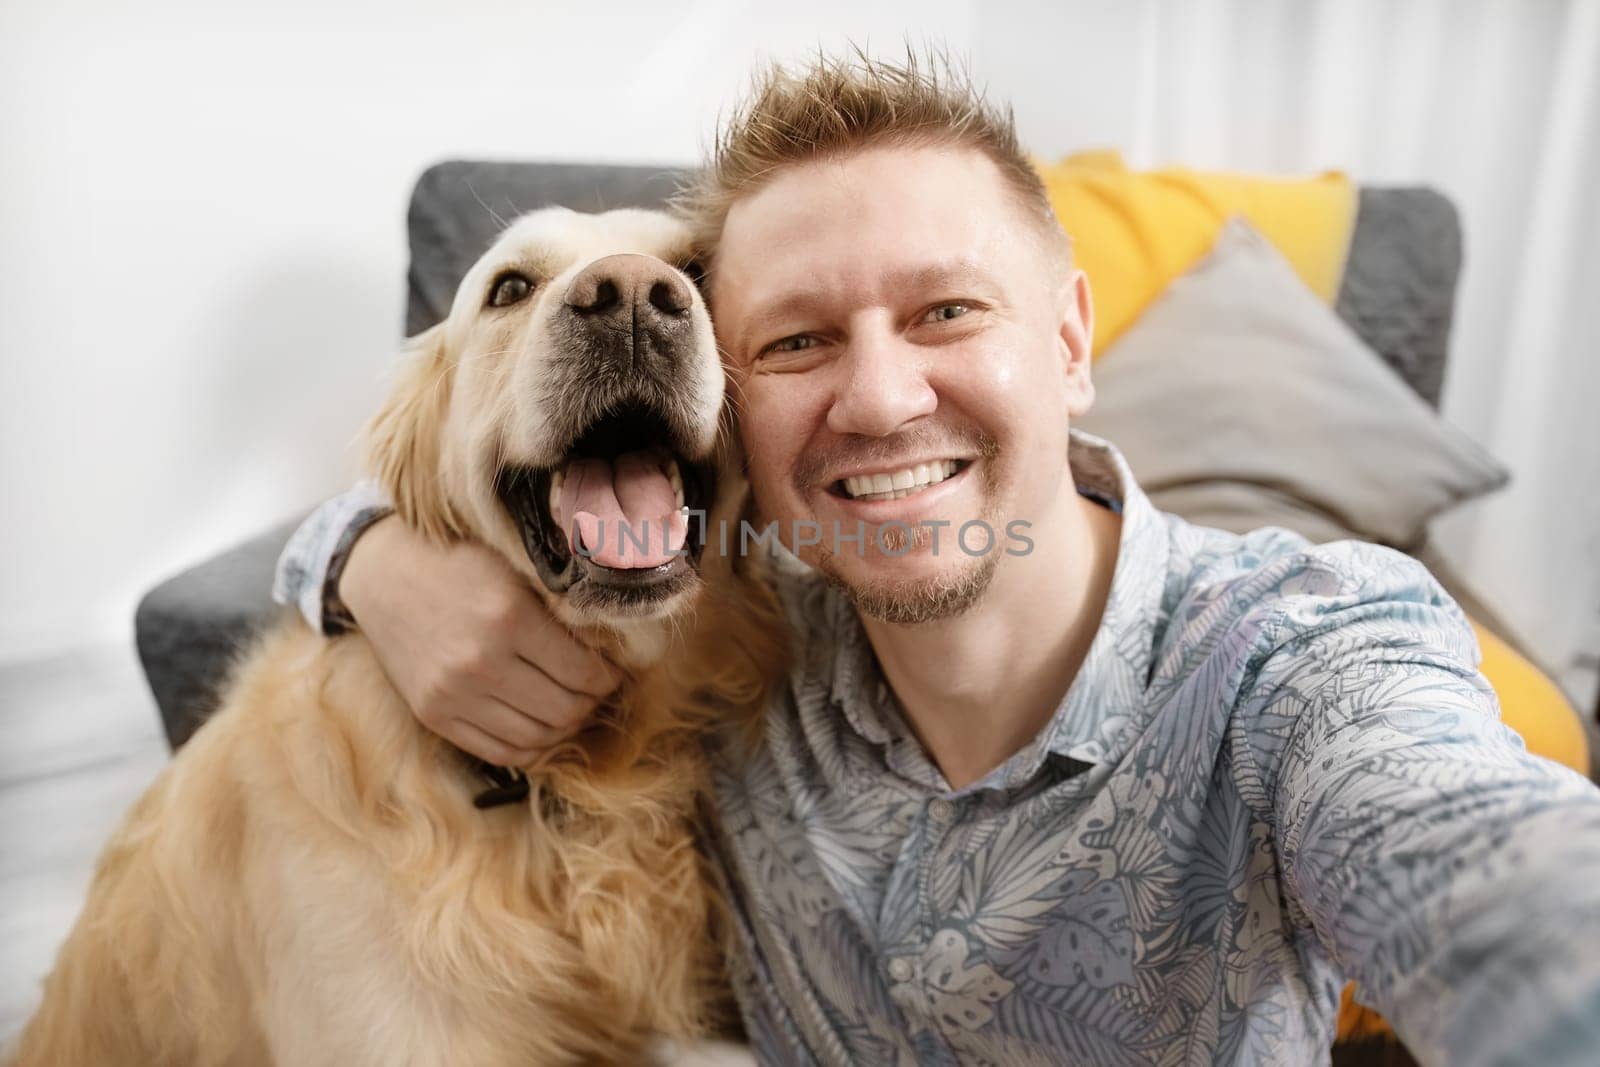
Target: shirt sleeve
x=1452 y=874
x=307 y=575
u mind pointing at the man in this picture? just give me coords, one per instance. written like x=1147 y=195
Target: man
x=1120 y=790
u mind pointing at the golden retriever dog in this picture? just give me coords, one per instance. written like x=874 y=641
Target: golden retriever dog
x=310 y=881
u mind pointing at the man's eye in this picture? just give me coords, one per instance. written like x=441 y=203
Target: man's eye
x=509 y=288
x=792 y=344
x=946 y=312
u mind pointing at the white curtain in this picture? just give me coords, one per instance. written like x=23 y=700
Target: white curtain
x=1494 y=102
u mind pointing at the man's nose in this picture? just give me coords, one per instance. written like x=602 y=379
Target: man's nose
x=885 y=386
x=636 y=305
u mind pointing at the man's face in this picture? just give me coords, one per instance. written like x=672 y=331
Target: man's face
x=894 y=315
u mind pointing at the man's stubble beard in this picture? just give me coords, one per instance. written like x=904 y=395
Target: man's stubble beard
x=909 y=603
x=914 y=602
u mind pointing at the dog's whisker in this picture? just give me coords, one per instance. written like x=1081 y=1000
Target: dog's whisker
x=734 y=396
x=500 y=222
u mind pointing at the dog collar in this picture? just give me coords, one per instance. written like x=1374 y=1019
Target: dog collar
x=506 y=785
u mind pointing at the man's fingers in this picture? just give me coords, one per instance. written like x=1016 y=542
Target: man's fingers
x=568 y=662
x=527 y=689
x=513 y=726
x=474 y=741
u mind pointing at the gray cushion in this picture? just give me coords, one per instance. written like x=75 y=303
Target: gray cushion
x=1238 y=397
x=1399 y=285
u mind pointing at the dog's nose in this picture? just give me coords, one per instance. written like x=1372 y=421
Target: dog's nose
x=629 y=313
x=628 y=286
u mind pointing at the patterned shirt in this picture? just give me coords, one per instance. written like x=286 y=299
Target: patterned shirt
x=1277 y=767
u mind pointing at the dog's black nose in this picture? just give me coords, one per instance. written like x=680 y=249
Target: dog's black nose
x=628 y=285
x=632 y=309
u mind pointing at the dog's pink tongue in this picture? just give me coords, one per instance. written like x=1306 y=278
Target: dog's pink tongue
x=625 y=510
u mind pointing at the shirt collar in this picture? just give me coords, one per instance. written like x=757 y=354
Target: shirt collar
x=1108 y=690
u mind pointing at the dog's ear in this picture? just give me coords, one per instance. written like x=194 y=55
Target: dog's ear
x=405 y=440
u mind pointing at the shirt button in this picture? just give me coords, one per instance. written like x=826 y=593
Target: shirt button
x=900 y=969
x=940 y=810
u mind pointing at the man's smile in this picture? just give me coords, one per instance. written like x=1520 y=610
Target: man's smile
x=934 y=485
x=892 y=483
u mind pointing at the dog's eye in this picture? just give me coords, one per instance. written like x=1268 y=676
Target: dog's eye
x=508 y=289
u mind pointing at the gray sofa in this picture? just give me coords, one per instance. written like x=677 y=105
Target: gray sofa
x=1398 y=293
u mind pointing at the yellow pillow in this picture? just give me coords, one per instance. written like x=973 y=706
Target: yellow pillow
x=1133 y=232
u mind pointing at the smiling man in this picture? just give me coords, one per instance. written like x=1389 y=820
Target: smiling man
x=929 y=336
x=1119 y=789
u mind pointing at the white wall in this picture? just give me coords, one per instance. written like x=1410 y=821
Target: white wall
x=202 y=207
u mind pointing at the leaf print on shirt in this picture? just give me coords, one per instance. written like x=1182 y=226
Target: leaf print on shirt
x=1137 y=845
x=1090 y=942
x=774 y=847
x=1213 y=875
x=946 y=987
x=864 y=836
x=1009 y=890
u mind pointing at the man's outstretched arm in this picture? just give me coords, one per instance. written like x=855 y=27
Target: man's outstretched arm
x=465 y=641
x=1452 y=874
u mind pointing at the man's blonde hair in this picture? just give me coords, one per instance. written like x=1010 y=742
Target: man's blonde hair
x=841 y=105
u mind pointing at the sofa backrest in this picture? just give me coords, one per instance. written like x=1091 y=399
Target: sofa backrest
x=1398 y=290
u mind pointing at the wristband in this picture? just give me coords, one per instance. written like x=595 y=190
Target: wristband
x=336 y=617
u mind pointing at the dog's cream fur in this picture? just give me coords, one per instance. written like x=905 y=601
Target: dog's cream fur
x=309 y=883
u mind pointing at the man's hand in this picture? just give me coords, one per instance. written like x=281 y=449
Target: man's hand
x=472 y=650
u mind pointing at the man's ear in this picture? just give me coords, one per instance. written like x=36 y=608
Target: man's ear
x=1076 y=337
x=405 y=440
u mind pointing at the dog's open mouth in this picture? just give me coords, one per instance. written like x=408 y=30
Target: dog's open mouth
x=623 y=513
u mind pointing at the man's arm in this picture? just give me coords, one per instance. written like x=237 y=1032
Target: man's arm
x=466 y=642
x=1452 y=874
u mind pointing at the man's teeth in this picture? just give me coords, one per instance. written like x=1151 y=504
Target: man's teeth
x=893 y=486
x=559 y=477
